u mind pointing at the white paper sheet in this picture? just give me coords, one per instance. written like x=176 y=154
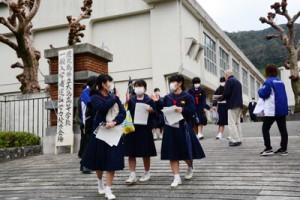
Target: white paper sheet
x=141 y=114
x=111 y=136
x=259 y=108
x=171 y=115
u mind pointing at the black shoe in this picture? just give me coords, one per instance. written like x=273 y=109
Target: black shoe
x=282 y=152
x=234 y=144
x=86 y=170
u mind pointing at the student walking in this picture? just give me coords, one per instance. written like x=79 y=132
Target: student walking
x=140 y=143
x=99 y=155
x=179 y=141
x=221 y=108
x=199 y=96
x=275 y=109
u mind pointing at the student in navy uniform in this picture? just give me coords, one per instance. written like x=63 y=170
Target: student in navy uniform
x=221 y=108
x=158 y=121
x=140 y=143
x=200 y=99
x=179 y=141
x=251 y=107
x=83 y=102
x=99 y=155
x=275 y=109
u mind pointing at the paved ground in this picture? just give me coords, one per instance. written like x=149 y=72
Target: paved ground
x=226 y=173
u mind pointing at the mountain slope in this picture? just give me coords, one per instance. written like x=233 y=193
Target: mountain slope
x=259 y=50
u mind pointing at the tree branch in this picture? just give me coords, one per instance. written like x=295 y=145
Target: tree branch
x=34 y=10
x=295 y=17
x=7 y=24
x=17 y=65
x=8 y=42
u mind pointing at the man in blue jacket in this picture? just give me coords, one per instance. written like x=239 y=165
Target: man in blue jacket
x=275 y=109
x=234 y=99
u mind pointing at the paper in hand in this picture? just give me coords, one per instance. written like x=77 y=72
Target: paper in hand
x=141 y=113
x=111 y=136
x=171 y=115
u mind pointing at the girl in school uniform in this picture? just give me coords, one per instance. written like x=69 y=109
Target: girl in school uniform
x=199 y=96
x=179 y=141
x=99 y=155
x=140 y=143
x=221 y=108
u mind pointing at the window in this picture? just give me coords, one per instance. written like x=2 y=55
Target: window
x=210 y=57
x=252 y=86
x=245 y=82
x=224 y=62
x=257 y=87
x=236 y=69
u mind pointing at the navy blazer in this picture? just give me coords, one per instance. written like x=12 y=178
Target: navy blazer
x=233 y=93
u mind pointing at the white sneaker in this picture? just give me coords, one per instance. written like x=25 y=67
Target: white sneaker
x=154 y=136
x=110 y=195
x=175 y=183
x=219 y=136
x=131 y=180
x=101 y=188
x=145 y=177
x=189 y=174
x=200 y=136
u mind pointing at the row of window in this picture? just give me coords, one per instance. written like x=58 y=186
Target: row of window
x=210 y=63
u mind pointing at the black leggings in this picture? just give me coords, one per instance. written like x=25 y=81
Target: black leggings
x=281 y=123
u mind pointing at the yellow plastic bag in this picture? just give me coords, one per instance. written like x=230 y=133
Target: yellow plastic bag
x=127 y=125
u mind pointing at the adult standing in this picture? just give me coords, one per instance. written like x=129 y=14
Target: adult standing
x=199 y=95
x=275 y=109
x=99 y=155
x=158 y=119
x=221 y=108
x=251 y=107
x=234 y=99
x=179 y=141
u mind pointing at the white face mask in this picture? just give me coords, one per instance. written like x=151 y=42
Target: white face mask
x=111 y=87
x=173 y=86
x=197 y=85
x=157 y=93
x=139 y=90
x=222 y=84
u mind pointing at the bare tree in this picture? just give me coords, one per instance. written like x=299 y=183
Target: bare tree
x=21 y=13
x=75 y=27
x=289 y=42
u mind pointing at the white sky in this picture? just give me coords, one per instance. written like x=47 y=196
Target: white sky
x=243 y=15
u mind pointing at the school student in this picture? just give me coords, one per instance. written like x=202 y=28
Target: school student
x=140 y=143
x=99 y=155
x=221 y=108
x=158 y=120
x=199 y=95
x=179 y=141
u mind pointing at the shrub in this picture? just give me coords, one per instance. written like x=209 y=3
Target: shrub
x=18 y=139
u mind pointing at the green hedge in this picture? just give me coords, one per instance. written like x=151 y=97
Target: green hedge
x=18 y=139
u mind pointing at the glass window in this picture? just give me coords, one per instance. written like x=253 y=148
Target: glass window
x=236 y=69
x=224 y=62
x=252 y=86
x=210 y=57
x=245 y=82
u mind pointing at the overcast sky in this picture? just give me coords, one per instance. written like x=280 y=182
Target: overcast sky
x=243 y=15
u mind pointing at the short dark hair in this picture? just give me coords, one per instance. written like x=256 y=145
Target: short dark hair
x=103 y=78
x=156 y=89
x=91 y=81
x=271 y=70
x=178 y=78
x=222 y=79
x=196 y=80
x=140 y=83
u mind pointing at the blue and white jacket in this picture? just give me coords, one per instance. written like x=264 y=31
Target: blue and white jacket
x=274 y=94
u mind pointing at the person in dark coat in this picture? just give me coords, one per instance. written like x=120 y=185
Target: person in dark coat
x=234 y=99
x=158 y=119
x=199 y=96
x=99 y=155
x=221 y=108
x=179 y=141
x=140 y=143
x=251 y=108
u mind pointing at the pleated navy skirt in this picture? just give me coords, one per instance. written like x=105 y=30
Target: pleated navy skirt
x=140 y=143
x=174 y=145
x=100 y=156
x=223 y=116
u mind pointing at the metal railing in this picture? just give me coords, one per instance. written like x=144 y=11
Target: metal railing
x=24 y=113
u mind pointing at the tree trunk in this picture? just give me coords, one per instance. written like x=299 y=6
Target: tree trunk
x=30 y=57
x=295 y=81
